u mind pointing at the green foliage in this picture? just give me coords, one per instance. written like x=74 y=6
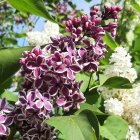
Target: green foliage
x=114 y=128
x=85 y=77
x=36 y=7
x=83 y=126
x=136 y=4
x=110 y=41
x=9 y=96
x=9 y=62
x=88 y=0
x=92 y=108
x=137 y=44
x=118 y=82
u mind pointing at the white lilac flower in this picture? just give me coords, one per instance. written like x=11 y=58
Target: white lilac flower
x=133 y=133
x=113 y=106
x=121 y=65
x=42 y=38
x=124 y=100
x=132 y=106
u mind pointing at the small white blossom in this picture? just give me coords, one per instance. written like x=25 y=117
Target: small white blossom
x=113 y=106
x=42 y=38
x=133 y=133
x=121 y=65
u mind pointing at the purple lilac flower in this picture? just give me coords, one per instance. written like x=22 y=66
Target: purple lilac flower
x=62 y=7
x=5 y=118
x=49 y=74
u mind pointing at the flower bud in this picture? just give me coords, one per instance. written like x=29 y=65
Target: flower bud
x=84 y=18
x=69 y=23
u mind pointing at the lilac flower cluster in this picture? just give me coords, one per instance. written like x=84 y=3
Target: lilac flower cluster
x=66 y=11
x=5 y=118
x=62 y=7
x=49 y=75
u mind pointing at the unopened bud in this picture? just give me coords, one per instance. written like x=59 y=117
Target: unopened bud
x=69 y=23
x=85 y=18
x=79 y=30
x=96 y=8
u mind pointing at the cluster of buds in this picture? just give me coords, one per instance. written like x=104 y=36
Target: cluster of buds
x=49 y=75
x=65 y=12
x=92 y=26
x=62 y=7
x=111 y=12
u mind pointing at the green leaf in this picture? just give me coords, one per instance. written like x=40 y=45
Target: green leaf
x=35 y=7
x=102 y=78
x=88 y=0
x=85 y=77
x=6 y=85
x=83 y=126
x=137 y=44
x=92 y=108
x=10 y=40
x=118 y=82
x=136 y=4
x=110 y=41
x=114 y=128
x=20 y=35
x=9 y=62
x=9 y=96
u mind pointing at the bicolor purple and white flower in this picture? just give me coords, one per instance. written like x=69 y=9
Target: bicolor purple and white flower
x=49 y=74
x=5 y=118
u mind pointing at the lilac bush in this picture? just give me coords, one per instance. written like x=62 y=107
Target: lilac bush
x=49 y=74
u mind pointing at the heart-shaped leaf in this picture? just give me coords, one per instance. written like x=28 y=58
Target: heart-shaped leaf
x=83 y=126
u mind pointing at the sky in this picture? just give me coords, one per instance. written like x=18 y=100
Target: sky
x=81 y=4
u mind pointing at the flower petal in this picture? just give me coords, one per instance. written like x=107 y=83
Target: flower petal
x=82 y=52
x=61 y=102
x=39 y=59
x=70 y=74
x=2 y=118
x=37 y=72
x=65 y=91
x=9 y=121
x=22 y=100
x=3 y=129
x=38 y=95
x=31 y=96
x=75 y=68
x=60 y=69
x=3 y=103
x=31 y=65
x=53 y=90
x=48 y=105
x=38 y=83
x=32 y=131
x=39 y=104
